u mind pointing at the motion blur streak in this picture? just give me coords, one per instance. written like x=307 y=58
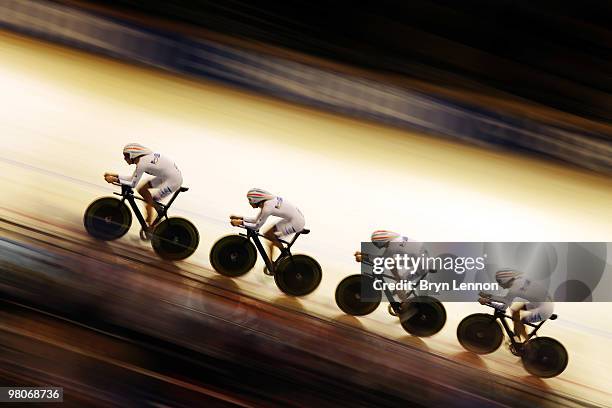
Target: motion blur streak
x=65 y=117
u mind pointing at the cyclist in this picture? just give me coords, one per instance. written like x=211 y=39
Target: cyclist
x=536 y=307
x=292 y=220
x=381 y=239
x=167 y=178
x=395 y=244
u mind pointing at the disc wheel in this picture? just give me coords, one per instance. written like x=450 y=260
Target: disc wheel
x=423 y=316
x=233 y=255
x=107 y=219
x=480 y=333
x=297 y=275
x=175 y=239
x=352 y=292
x=544 y=357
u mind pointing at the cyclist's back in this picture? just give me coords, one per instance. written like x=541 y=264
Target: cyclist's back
x=292 y=218
x=535 y=303
x=155 y=165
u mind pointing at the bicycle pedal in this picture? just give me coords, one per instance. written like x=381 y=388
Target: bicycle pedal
x=517 y=349
x=145 y=235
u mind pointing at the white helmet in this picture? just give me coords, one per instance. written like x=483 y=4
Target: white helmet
x=380 y=238
x=505 y=276
x=257 y=195
x=134 y=150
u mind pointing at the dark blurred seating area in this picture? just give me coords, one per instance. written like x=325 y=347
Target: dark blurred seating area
x=114 y=328
x=550 y=53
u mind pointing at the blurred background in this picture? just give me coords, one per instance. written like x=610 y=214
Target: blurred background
x=445 y=121
x=550 y=54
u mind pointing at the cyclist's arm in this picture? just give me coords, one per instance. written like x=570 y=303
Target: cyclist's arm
x=133 y=180
x=392 y=271
x=503 y=302
x=256 y=222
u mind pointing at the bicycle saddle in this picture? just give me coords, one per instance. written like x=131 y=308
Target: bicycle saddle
x=304 y=231
x=183 y=189
x=553 y=317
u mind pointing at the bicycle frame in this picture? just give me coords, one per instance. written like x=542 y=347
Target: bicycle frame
x=254 y=236
x=502 y=316
x=127 y=194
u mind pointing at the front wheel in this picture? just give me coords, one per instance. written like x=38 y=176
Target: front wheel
x=233 y=255
x=107 y=218
x=423 y=316
x=353 y=295
x=544 y=357
x=480 y=333
x=297 y=275
x=175 y=239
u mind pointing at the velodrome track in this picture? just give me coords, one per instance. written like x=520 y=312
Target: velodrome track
x=65 y=116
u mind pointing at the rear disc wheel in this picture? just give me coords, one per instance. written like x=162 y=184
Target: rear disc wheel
x=297 y=275
x=175 y=239
x=544 y=357
x=427 y=316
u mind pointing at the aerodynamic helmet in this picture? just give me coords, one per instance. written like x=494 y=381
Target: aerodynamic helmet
x=134 y=150
x=380 y=238
x=505 y=276
x=257 y=195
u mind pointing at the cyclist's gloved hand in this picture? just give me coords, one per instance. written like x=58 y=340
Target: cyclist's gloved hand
x=111 y=178
x=236 y=222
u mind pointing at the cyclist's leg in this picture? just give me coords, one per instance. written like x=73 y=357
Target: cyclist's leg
x=537 y=311
x=280 y=229
x=273 y=241
x=519 y=328
x=287 y=227
x=144 y=191
x=160 y=188
x=164 y=190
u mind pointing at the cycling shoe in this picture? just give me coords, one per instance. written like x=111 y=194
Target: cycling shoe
x=517 y=348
